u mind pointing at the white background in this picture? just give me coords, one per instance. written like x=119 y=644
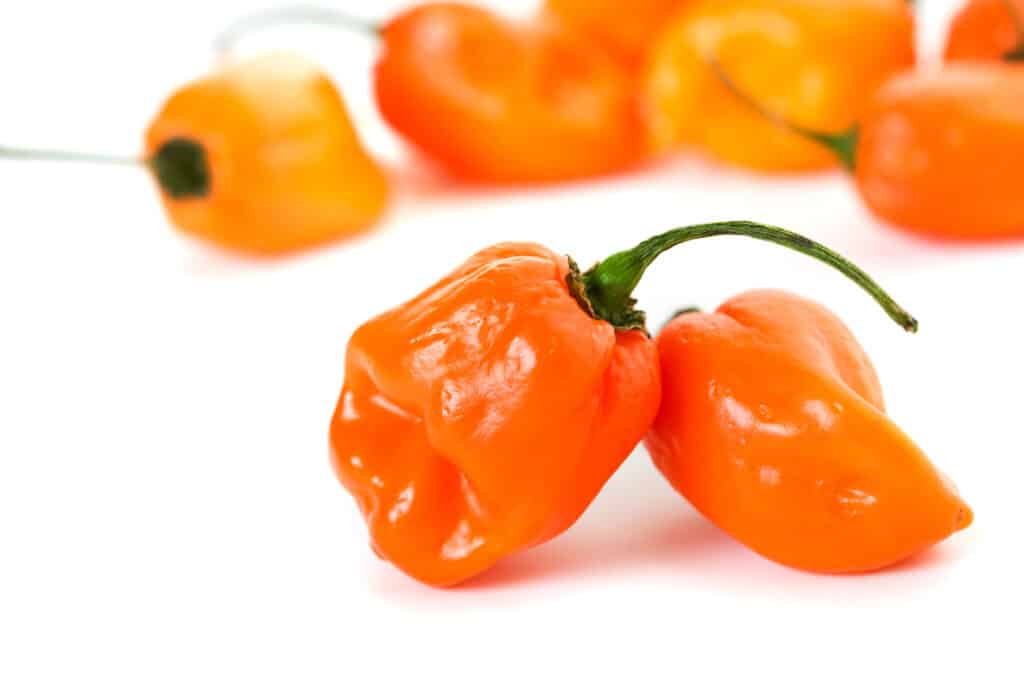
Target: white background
x=166 y=505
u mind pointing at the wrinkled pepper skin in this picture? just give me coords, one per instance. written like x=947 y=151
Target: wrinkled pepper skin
x=625 y=30
x=490 y=100
x=983 y=30
x=483 y=416
x=772 y=425
x=939 y=152
x=287 y=169
x=814 y=62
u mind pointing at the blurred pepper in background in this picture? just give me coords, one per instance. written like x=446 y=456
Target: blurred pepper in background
x=772 y=425
x=498 y=101
x=284 y=167
x=489 y=99
x=988 y=30
x=257 y=157
x=936 y=152
x=814 y=61
x=626 y=30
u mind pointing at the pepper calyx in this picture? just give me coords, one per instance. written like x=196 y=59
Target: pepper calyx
x=583 y=289
x=181 y=168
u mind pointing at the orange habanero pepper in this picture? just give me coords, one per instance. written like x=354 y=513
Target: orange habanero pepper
x=937 y=153
x=258 y=157
x=625 y=30
x=987 y=30
x=482 y=417
x=772 y=425
x=815 y=61
x=493 y=100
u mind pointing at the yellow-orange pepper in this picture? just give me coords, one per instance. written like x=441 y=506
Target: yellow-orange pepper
x=258 y=157
x=482 y=417
x=814 y=61
x=772 y=425
x=987 y=30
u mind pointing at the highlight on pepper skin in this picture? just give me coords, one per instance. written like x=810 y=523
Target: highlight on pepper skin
x=772 y=425
x=483 y=416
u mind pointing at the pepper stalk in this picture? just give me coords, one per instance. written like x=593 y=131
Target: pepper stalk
x=179 y=165
x=605 y=290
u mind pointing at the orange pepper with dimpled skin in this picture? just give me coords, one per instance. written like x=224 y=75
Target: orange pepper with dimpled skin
x=258 y=157
x=987 y=30
x=285 y=168
x=493 y=100
x=626 y=30
x=814 y=61
x=772 y=425
x=483 y=416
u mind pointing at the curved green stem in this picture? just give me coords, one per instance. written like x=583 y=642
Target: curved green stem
x=1015 y=53
x=298 y=14
x=842 y=144
x=605 y=290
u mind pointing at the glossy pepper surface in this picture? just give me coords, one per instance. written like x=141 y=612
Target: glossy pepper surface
x=624 y=29
x=281 y=167
x=987 y=30
x=772 y=424
x=814 y=61
x=498 y=101
x=484 y=415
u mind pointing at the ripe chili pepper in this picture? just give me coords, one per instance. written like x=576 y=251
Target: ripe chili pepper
x=482 y=417
x=936 y=153
x=989 y=30
x=772 y=425
x=625 y=30
x=814 y=61
x=493 y=100
x=258 y=157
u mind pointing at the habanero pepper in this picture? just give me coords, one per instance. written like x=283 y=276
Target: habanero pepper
x=484 y=415
x=987 y=30
x=815 y=61
x=257 y=157
x=493 y=100
x=772 y=425
x=936 y=153
x=624 y=30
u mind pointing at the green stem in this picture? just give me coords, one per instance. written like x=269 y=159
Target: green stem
x=842 y=144
x=605 y=290
x=298 y=14
x=1015 y=53
x=179 y=165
